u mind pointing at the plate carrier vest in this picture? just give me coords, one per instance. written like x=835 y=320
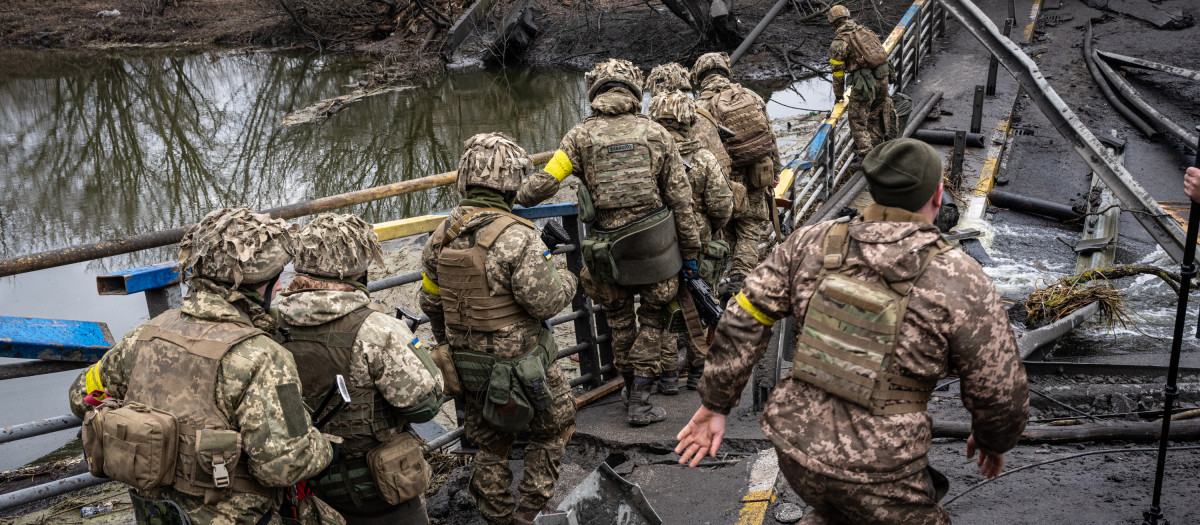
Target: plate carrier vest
x=620 y=175
x=467 y=301
x=851 y=331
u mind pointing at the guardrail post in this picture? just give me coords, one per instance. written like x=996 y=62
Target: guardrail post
x=994 y=62
x=830 y=163
x=585 y=332
x=918 y=43
x=956 y=161
x=941 y=20
x=159 y=283
x=977 y=110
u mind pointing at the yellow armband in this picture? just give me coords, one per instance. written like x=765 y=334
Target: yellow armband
x=836 y=62
x=744 y=302
x=95 y=388
x=559 y=165
x=429 y=286
x=839 y=73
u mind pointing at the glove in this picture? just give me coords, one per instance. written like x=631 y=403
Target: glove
x=690 y=269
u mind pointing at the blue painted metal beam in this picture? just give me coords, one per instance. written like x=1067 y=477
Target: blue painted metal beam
x=31 y=338
x=138 y=279
x=547 y=210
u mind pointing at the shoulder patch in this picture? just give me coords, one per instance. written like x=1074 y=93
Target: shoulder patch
x=294 y=415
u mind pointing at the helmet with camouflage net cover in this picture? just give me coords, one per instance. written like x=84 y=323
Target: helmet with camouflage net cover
x=836 y=13
x=675 y=105
x=337 y=246
x=492 y=160
x=237 y=246
x=667 y=78
x=708 y=62
x=613 y=70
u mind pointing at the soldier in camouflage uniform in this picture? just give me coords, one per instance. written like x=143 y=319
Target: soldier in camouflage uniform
x=857 y=462
x=630 y=170
x=757 y=176
x=231 y=262
x=712 y=201
x=496 y=304
x=671 y=77
x=332 y=328
x=867 y=112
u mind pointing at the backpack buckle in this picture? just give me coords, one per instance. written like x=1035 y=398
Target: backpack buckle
x=220 y=473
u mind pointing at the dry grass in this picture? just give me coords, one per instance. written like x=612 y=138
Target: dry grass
x=1072 y=293
x=442 y=465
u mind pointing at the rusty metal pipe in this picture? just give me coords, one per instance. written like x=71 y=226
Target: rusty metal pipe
x=945 y=137
x=37 y=428
x=916 y=117
x=1021 y=203
x=144 y=241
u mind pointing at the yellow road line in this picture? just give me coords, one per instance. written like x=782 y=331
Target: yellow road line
x=754 y=507
x=761 y=492
x=1033 y=16
x=987 y=176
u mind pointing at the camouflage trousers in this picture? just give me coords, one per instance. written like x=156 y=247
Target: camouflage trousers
x=240 y=508
x=912 y=500
x=869 y=122
x=492 y=477
x=670 y=352
x=636 y=335
x=745 y=232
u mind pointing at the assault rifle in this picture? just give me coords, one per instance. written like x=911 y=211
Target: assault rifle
x=725 y=133
x=411 y=319
x=702 y=295
x=553 y=234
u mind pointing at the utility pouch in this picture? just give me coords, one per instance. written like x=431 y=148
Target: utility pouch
x=531 y=370
x=506 y=407
x=673 y=318
x=474 y=369
x=92 y=436
x=714 y=256
x=139 y=443
x=644 y=251
x=217 y=453
x=399 y=469
x=444 y=360
x=762 y=174
x=587 y=210
x=741 y=202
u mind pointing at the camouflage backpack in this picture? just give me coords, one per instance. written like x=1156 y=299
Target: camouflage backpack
x=741 y=110
x=865 y=47
x=851 y=331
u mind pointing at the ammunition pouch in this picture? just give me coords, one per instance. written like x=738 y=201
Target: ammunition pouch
x=644 y=251
x=714 y=256
x=349 y=484
x=131 y=443
x=587 y=209
x=513 y=389
x=399 y=469
x=427 y=408
x=673 y=321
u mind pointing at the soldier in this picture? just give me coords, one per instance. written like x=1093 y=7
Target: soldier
x=671 y=77
x=754 y=155
x=333 y=329
x=231 y=392
x=849 y=423
x=856 y=55
x=488 y=286
x=712 y=201
x=637 y=199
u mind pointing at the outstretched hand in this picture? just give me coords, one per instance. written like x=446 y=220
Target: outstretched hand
x=990 y=463
x=701 y=437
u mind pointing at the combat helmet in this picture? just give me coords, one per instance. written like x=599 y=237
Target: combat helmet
x=236 y=246
x=836 y=13
x=614 y=70
x=492 y=160
x=708 y=62
x=675 y=105
x=337 y=246
x=667 y=78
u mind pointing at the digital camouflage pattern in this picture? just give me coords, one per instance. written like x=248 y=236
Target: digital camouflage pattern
x=911 y=500
x=381 y=358
x=492 y=160
x=666 y=78
x=955 y=321
x=236 y=246
x=637 y=335
x=247 y=394
x=705 y=131
x=868 y=119
x=709 y=61
x=676 y=106
x=517 y=264
x=613 y=70
x=337 y=246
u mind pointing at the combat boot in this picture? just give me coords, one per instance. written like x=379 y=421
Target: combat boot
x=628 y=377
x=730 y=287
x=668 y=382
x=641 y=412
x=694 y=373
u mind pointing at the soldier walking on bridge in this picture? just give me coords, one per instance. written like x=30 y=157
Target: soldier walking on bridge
x=208 y=384
x=488 y=287
x=858 y=59
x=712 y=202
x=671 y=77
x=637 y=199
x=332 y=328
x=884 y=308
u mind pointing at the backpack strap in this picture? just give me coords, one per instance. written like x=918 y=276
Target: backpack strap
x=837 y=244
x=455 y=229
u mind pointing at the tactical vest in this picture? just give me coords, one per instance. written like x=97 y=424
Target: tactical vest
x=467 y=301
x=321 y=353
x=851 y=331
x=738 y=109
x=621 y=174
x=175 y=371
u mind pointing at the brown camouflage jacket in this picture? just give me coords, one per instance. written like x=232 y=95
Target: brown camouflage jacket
x=840 y=59
x=618 y=110
x=247 y=395
x=518 y=264
x=955 y=321
x=711 y=194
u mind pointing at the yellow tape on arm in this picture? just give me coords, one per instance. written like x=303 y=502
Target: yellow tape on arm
x=839 y=73
x=429 y=286
x=92 y=379
x=836 y=62
x=744 y=302
x=559 y=166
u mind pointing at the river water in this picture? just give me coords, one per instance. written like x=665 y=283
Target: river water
x=106 y=144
